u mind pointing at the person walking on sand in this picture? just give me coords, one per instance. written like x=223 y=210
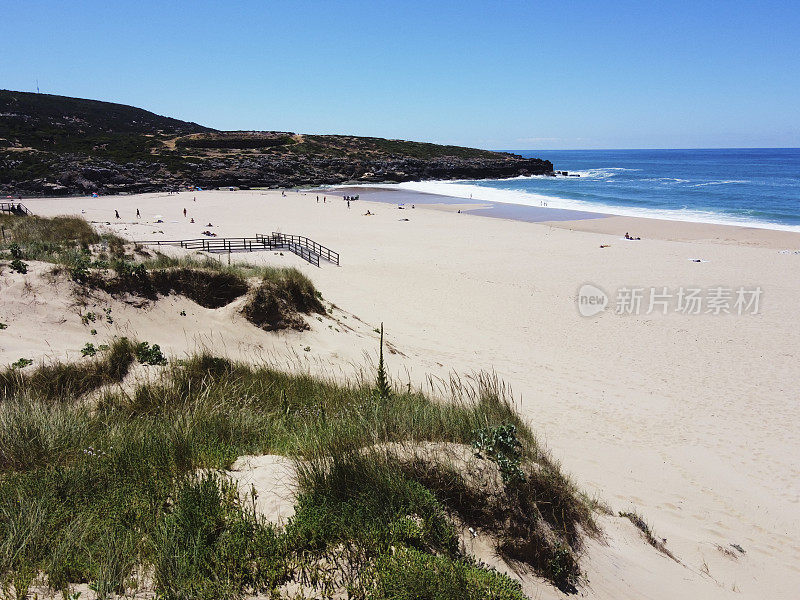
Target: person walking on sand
x=348 y=203
x=116 y=212
x=137 y=213
x=184 y=212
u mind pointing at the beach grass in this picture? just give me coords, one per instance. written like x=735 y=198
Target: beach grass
x=278 y=300
x=62 y=381
x=129 y=485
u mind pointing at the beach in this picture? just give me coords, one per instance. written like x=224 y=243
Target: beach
x=691 y=420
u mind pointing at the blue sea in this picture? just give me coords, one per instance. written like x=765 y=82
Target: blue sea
x=753 y=187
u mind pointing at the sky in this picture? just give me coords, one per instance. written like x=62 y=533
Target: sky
x=499 y=75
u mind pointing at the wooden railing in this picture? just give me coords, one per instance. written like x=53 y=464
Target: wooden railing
x=303 y=247
x=318 y=249
x=15 y=208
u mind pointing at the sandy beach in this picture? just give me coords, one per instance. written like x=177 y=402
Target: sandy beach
x=692 y=420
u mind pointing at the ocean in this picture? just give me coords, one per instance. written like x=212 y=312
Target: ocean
x=752 y=187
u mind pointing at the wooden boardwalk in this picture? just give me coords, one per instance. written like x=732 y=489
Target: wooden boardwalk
x=15 y=208
x=305 y=248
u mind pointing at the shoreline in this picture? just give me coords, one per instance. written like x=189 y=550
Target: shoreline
x=585 y=221
x=467 y=189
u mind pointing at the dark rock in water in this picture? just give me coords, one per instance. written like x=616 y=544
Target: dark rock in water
x=71 y=146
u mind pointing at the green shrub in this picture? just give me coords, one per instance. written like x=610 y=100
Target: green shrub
x=207 y=546
x=149 y=355
x=19 y=266
x=409 y=574
x=500 y=444
x=79 y=271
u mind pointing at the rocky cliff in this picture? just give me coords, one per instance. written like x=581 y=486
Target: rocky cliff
x=58 y=145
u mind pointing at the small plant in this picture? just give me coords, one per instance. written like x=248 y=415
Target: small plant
x=648 y=534
x=19 y=266
x=183 y=313
x=383 y=388
x=127 y=270
x=79 y=271
x=16 y=251
x=21 y=363
x=89 y=316
x=561 y=568
x=93 y=332
x=149 y=355
x=89 y=350
x=109 y=318
x=307 y=349
x=3 y=326
x=500 y=445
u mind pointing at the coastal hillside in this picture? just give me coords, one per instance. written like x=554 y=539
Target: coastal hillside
x=56 y=145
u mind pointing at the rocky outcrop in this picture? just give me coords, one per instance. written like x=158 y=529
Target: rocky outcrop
x=75 y=175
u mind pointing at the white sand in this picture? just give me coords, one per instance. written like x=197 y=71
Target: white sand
x=690 y=420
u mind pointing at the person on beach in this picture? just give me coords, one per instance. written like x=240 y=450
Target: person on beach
x=184 y=212
x=116 y=212
x=317 y=199
x=137 y=213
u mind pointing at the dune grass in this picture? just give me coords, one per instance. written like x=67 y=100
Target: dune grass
x=61 y=240
x=106 y=493
x=58 y=381
x=644 y=527
x=106 y=262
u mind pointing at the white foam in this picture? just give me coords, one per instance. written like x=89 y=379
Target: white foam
x=667 y=179
x=724 y=182
x=467 y=190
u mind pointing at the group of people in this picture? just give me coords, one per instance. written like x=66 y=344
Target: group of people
x=630 y=237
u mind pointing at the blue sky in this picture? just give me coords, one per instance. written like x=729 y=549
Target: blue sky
x=489 y=74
